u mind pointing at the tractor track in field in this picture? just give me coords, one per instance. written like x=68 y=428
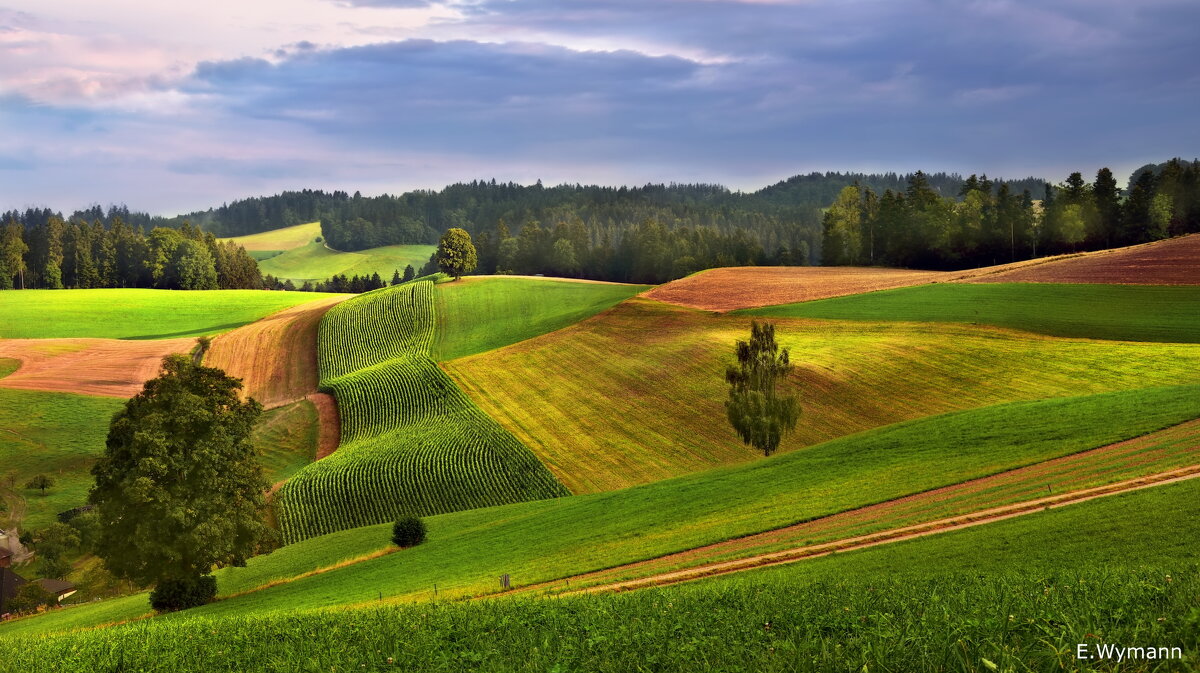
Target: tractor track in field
x=801 y=553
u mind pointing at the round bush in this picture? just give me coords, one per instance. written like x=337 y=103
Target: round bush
x=408 y=531
x=181 y=594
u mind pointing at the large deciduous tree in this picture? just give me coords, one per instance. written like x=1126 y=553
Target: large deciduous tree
x=757 y=412
x=456 y=254
x=179 y=490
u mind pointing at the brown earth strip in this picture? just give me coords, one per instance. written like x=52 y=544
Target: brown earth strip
x=104 y=367
x=1175 y=261
x=1176 y=447
x=731 y=288
x=330 y=423
x=275 y=357
x=896 y=535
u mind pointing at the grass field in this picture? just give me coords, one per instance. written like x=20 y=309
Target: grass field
x=636 y=394
x=287 y=437
x=136 y=313
x=278 y=240
x=1120 y=312
x=315 y=262
x=411 y=441
x=478 y=314
x=56 y=434
x=1020 y=594
x=546 y=540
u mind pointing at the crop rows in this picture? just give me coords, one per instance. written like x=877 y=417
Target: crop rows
x=412 y=442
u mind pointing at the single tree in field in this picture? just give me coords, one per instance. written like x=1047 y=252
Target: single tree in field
x=40 y=482
x=456 y=254
x=179 y=490
x=396 y=280
x=756 y=411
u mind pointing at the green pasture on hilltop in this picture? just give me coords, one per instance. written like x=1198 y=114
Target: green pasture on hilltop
x=316 y=262
x=134 y=313
x=278 y=240
x=1117 y=312
x=480 y=313
x=1012 y=595
x=546 y=540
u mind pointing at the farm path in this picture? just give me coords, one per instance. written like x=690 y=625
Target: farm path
x=884 y=537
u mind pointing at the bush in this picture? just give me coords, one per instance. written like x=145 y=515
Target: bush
x=30 y=597
x=408 y=531
x=181 y=594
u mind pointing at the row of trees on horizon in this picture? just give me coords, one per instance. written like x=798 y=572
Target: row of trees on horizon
x=990 y=224
x=647 y=234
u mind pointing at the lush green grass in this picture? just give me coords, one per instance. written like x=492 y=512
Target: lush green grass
x=287 y=437
x=411 y=441
x=136 y=313
x=546 y=540
x=1120 y=312
x=1105 y=572
x=56 y=434
x=478 y=314
x=278 y=240
x=636 y=394
x=315 y=262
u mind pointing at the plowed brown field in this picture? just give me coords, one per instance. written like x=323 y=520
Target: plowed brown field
x=106 y=367
x=275 y=357
x=1174 y=261
x=732 y=288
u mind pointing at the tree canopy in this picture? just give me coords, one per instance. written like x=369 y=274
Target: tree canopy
x=456 y=253
x=755 y=409
x=179 y=490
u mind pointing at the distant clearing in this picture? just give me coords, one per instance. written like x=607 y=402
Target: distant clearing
x=1174 y=261
x=636 y=394
x=136 y=313
x=275 y=357
x=316 y=262
x=731 y=288
x=1118 y=312
x=279 y=239
x=108 y=367
x=479 y=313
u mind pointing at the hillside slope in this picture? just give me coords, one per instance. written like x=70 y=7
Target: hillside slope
x=411 y=442
x=1175 y=261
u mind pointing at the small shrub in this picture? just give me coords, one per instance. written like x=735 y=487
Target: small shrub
x=30 y=597
x=181 y=594
x=408 y=531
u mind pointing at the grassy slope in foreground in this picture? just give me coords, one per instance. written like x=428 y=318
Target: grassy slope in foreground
x=477 y=314
x=279 y=240
x=56 y=434
x=315 y=262
x=136 y=313
x=1018 y=593
x=547 y=540
x=1119 y=312
x=412 y=442
x=636 y=394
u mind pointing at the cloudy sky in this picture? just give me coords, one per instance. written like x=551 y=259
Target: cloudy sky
x=175 y=106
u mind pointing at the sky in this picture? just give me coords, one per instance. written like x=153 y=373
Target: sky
x=172 y=107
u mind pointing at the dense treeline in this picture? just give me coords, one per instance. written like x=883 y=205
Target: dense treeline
x=39 y=249
x=336 y=283
x=990 y=223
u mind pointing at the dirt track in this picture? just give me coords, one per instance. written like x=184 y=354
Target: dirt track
x=275 y=357
x=895 y=535
x=105 y=367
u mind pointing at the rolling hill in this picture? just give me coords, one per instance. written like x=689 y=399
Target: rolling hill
x=316 y=262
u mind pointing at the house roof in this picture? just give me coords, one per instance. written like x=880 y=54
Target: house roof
x=56 y=587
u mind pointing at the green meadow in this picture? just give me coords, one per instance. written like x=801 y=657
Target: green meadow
x=136 y=313
x=1117 y=312
x=315 y=262
x=478 y=314
x=1016 y=595
x=548 y=540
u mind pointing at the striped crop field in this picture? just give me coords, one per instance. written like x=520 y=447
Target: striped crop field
x=411 y=441
x=635 y=394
